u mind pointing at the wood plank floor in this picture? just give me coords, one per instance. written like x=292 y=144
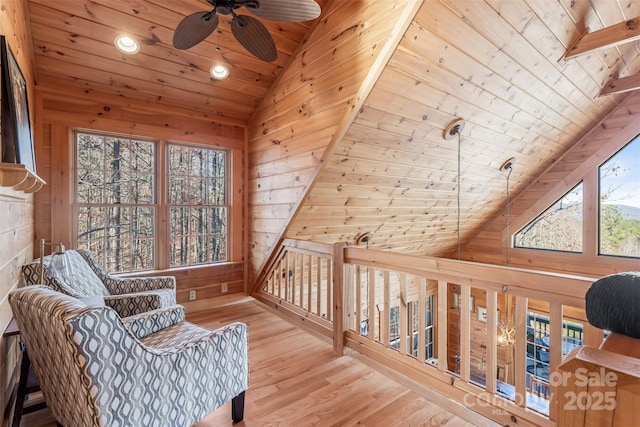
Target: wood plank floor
x=296 y=380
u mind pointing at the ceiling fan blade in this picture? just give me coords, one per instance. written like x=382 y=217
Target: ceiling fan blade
x=194 y=28
x=254 y=37
x=285 y=10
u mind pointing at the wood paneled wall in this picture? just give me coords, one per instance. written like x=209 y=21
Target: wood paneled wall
x=63 y=109
x=308 y=108
x=580 y=163
x=16 y=208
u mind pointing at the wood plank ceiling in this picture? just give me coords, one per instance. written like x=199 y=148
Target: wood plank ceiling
x=74 y=46
x=494 y=63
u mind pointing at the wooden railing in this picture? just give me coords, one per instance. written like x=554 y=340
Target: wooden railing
x=466 y=330
x=299 y=278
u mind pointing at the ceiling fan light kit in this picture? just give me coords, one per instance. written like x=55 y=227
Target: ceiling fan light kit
x=249 y=31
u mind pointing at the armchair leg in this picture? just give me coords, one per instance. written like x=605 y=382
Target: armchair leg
x=237 y=408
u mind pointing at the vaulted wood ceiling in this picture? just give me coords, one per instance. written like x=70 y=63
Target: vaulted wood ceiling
x=495 y=63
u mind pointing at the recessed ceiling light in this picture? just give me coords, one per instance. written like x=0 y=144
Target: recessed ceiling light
x=219 y=72
x=126 y=44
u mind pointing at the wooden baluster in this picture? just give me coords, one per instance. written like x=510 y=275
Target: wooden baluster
x=520 y=363
x=422 y=318
x=465 y=333
x=491 y=350
x=443 y=307
x=403 y=315
x=555 y=349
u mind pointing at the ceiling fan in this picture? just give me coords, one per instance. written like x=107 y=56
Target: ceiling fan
x=249 y=31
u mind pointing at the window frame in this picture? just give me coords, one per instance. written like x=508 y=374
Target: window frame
x=234 y=170
x=587 y=173
x=599 y=252
x=76 y=205
x=513 y=237
x=168 y=205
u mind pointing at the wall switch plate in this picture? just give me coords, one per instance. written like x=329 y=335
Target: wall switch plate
x=192 y=294
x=225 y=287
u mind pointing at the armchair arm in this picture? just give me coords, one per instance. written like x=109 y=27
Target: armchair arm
x=122 y=285
x=185 y=382
x=139 y=302
x=143 y=324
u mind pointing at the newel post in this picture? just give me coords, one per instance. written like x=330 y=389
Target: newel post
x=338 y=298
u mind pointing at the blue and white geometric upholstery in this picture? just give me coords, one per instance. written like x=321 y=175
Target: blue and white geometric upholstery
x=128 y=296
x=94 y=370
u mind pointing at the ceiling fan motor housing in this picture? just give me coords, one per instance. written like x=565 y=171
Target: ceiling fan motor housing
x=249 y=31
x=227 y=7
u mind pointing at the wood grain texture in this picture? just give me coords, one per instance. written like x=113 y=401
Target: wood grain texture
x=74 y=45
x=295 y=379
x=17 y=208
x=492 y=63
x=62 y=113
x=578 y=164
x=306 y=107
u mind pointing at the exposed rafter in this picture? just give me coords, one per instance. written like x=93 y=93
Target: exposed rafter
x=621 y=33
x=625 y=84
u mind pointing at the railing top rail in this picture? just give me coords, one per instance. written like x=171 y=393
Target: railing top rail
x=315 y=247
x=518 y=281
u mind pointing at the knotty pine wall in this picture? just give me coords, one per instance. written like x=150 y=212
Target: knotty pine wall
x=16 y=208
x=579 y=163
x=308 y=108
x=63 y=109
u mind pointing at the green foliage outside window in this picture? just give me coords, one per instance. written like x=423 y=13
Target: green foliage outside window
x=620 y=202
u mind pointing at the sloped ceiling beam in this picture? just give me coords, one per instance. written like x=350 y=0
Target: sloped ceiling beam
x=405 y=19
x=410 y=9
x=625 y=84
x=621 y=33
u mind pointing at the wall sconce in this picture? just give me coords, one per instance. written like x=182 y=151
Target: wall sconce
x=58 y=264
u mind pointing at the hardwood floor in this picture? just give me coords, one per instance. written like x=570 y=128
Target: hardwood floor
x=296 y=380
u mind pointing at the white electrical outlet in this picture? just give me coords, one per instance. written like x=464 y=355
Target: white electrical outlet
x=192 y=295
x=225 y=287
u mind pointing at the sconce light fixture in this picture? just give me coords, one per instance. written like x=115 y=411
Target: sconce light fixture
x=58 y=264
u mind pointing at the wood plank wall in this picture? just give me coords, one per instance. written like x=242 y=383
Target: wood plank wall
x=580 y=163
x=16 y=208
x=62 y=109
x=305 y=109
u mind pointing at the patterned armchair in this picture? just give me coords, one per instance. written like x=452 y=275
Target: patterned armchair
x=153 y=369
x=127 y=296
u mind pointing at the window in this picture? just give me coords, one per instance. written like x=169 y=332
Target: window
x=115 y=194
x=538 y=342
x=413 y=325
x=558 y=228
x=118 y=204
x=197 y=205
x=619 y=196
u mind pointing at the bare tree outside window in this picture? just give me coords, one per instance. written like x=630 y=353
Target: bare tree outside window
x=115 y=193
x=197 y=205
x=558 y=228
